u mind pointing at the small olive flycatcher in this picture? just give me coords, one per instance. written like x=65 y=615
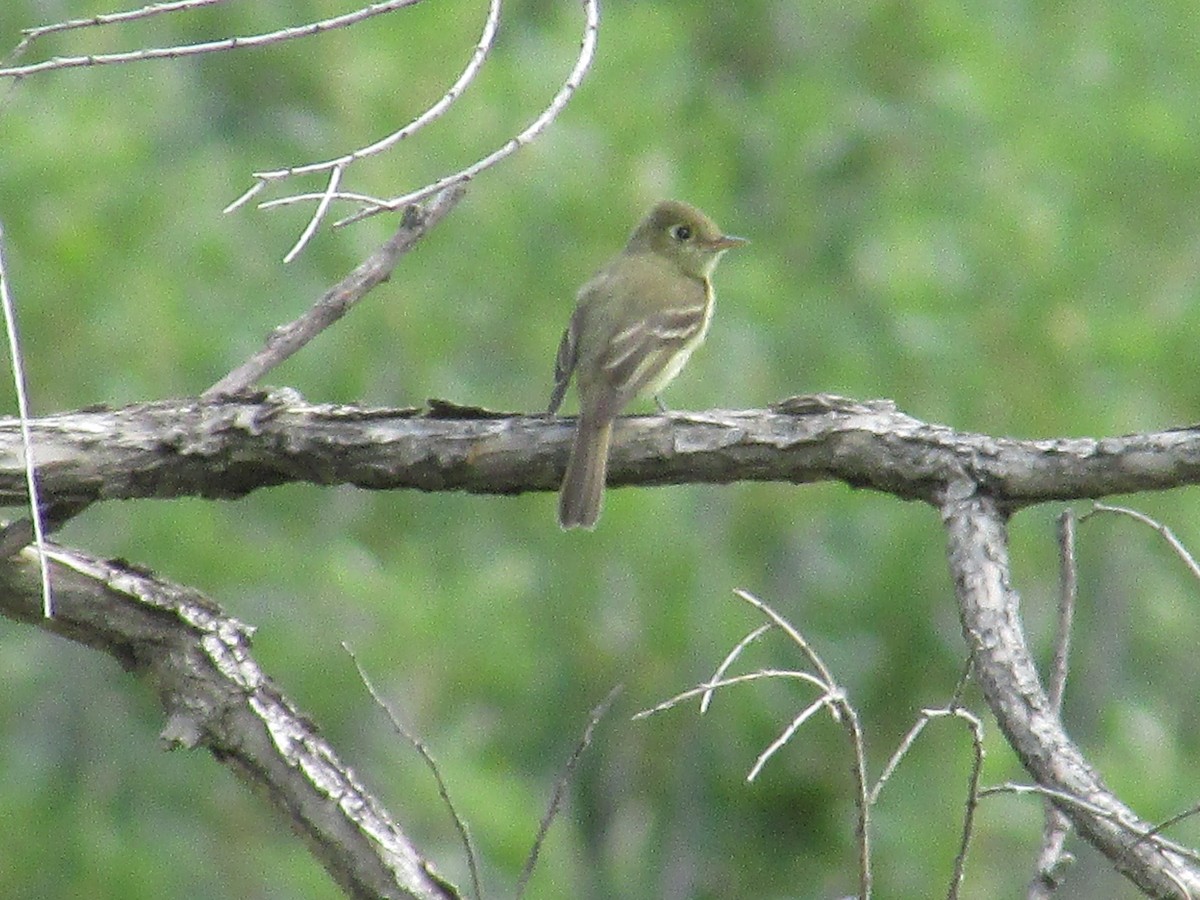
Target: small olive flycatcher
x=635 y=324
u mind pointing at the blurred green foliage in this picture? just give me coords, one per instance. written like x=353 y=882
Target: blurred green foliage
x=989 y=213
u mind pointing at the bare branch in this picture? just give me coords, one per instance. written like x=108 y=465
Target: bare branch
x=729 y=660
x=230 y=447
x=1168 y=535
x=560 y=788
x=960 y=858
x=430 y=762
x=215 y=696
x=953 y=710
x=118 y=18
x=338 y=300
x=832 y=698
x=1172 y=820
x=1067 y=594
x=337 y=166
x=707 y=687
x=823 y=702
x=1115 y=816
x=795 y=636
x=988 y=605
x=185 y=50
x=1053 y=857
x=587 y=51
x=314 y=221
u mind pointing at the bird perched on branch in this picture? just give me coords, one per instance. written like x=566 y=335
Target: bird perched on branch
x=635 y=324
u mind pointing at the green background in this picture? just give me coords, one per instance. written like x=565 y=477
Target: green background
x=988 y=212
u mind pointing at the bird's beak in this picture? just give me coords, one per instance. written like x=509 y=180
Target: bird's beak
x=726 y=242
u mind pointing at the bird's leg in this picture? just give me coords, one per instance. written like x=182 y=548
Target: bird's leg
x=662 y=407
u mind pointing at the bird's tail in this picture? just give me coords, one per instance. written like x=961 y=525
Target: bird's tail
x=583 y=485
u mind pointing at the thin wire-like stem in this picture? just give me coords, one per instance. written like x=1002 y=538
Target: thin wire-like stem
x=809 y=711
x=842 y=711
x=31 y=484
x=185 y=50
x=116 y=18
x=1173 y=820
x=1062 y=797
x=560 y=788
x=423 y=751
x=583 y=62
x=859 y=772
x=1068 y=591
x=976 y=727
x=339 y=299
x=960 y=858
x=960 y=686
x=337 y=166
x=702 y=689
x=314 y=221
x=729 y=660
x=796 y=637
x=1163 y=530
x=1053 y=858
x=899 y=753
x=482 y=48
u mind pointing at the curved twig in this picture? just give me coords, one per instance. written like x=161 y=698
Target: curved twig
x=185 y=50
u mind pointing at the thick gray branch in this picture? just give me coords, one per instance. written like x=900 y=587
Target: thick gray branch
x=215 y=696
x=988 y=606
x=227 y=448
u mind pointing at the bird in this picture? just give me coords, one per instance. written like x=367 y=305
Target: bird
x=635 y=323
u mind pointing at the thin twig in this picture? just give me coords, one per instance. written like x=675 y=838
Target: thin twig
x=858 y=770
x=430 y=762
x=560 y=788
x=842 y=711
x=117 y=18
x=899 y=753
x=314 y=221
x=701 y=689
x=960 y=686
x=960 y=858
x=1163 y=530
x=809 y=711
x=906 y=743
x=337 y=301
x=1053 y=857
x=338 y=165
x=832 y=698
x=1143 y=834
x=184 y=50
x=31 y=482
x=1173 y=820
x=1067 y=594
x=729 y=660
x=796 y=637
x=583 y=62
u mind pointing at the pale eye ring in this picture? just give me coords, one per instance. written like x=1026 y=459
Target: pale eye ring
x=681 y=232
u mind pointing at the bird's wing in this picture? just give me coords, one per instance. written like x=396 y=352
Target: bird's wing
x=564 y=362
x=659 y=317
x=639 y=353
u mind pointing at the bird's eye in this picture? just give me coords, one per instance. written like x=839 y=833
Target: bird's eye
x=681 y=232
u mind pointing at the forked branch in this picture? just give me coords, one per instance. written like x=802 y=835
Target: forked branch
x=988 y=605
x=214 y=696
